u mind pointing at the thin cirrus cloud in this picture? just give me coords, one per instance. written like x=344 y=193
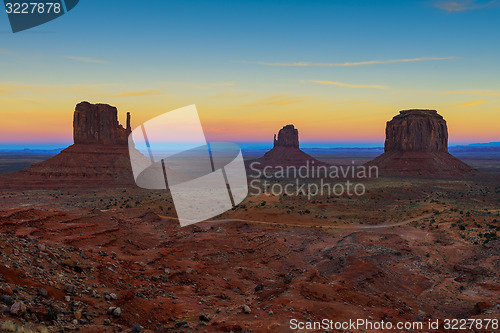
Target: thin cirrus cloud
x=349 y=64
x=230 y=95
x=473 y=103
x=87 y=60
x=277 y=100
x=464 y=5
x=191 y=85
x=141 y=93
x=471 y=92
x=348 y=85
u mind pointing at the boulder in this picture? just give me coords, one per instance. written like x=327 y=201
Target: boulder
x=18 y=309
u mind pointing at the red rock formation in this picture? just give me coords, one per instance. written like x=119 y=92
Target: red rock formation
x=98 y=158
x=417 y=145
x=288 y=136
x=98 y=124
x=286 y=151
x=417 y=130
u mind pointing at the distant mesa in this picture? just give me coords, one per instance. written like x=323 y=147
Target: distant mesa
x=99 y=156
x=416 y=144
x=286 y=151
x=288 y=136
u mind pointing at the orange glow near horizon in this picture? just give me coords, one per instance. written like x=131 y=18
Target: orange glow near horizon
x=35 y=114
x=42 y=124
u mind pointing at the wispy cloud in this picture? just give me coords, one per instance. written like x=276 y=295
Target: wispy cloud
x=473 y=103
x=11 y=100
x=91 y=88
x=348 y=85
x=9 y=87
x=471 y=92
x=277 y=100
x=21 y=88
x=192 y=85
x=348 y=64
x=229 y=94
x=464 y=5
x=88 y=60
x=141 y=93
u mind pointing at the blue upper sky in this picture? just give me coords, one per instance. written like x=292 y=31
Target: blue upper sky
x=348 y=64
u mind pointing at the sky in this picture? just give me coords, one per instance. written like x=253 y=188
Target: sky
x=337 y=70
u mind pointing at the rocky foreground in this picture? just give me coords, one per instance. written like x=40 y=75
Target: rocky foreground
x=119 y=262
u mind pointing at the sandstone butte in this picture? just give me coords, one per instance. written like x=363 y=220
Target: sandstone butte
x=99 y=156
x=286 y=151
x=416 y=145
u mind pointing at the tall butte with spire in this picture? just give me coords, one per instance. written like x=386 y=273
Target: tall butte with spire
x=286 y=151
x=416 y=144
x=98 y=124
x=99 y=156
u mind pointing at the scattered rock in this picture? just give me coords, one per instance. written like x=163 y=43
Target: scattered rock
x=205 y=317
x=246 y=309
x=259 y=287
x=6 y=300
x=18 y=309
x=115 y=311
x=8 y=291
x=39 y=310
x=136 y=328
x=78 y=315
x=69 y=288
x=480 y=307
x=42 y=292
x=421 y=316
x=181 y=324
